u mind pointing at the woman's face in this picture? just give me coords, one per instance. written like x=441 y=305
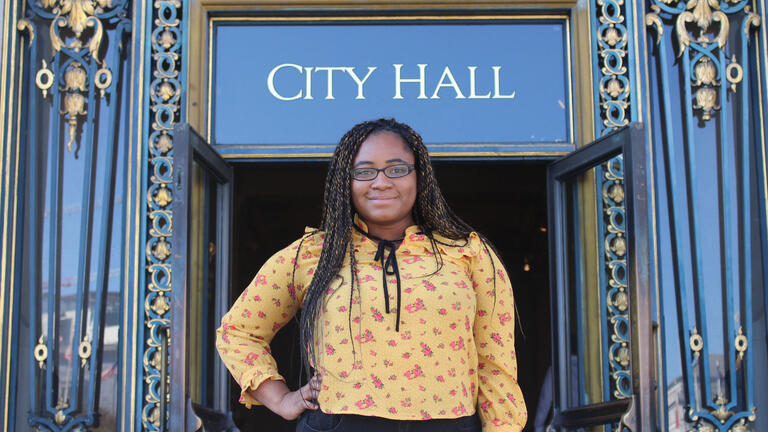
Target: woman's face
x=384 y=201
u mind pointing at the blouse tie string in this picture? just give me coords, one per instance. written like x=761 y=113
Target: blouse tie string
x=389 y=267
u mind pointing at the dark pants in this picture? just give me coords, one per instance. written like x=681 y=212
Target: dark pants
x=318 y=421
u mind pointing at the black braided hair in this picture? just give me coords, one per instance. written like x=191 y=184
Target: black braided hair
x=430 y=212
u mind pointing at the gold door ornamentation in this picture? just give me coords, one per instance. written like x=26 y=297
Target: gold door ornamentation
x=76 y=33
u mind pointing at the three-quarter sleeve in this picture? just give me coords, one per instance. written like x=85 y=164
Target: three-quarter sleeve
x=267 y=304
x=500 y=400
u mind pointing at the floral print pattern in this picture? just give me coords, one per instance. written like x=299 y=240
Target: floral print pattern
x=454 y=352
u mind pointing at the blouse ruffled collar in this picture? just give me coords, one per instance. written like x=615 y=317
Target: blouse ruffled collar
x=362 y=230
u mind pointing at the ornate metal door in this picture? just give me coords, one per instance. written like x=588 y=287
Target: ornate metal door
x=602 y=336
x=200 y=286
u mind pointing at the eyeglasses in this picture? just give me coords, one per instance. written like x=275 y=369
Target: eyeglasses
x=392 y=171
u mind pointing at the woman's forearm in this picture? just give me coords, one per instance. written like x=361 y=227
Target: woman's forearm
x=276 y=396
x=271 y=393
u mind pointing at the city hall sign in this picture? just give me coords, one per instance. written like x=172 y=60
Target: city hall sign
x=474 y=82
x=446 y=81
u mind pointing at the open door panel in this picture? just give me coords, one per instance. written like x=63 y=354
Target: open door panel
x=200 y=285
x=602 y=363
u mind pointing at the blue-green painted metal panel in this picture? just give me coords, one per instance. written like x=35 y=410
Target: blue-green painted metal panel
x=74 y=112
x=707 y=154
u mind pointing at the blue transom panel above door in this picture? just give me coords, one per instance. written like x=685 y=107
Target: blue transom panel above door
x=290 y=86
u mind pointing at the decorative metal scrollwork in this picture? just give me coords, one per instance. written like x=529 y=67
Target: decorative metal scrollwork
x=73 y=87
x=615 y=268
x=74 y=101
x=165 y=98
x=710 y=69
x=76 y=36
x=612 y=45
x=612 y=42
x=702 y=28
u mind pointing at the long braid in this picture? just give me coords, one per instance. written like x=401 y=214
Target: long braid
x=431 y=212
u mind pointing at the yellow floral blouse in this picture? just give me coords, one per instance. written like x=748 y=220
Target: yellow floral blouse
x=454 y=349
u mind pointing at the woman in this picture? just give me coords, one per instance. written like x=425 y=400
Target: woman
x=407 y=313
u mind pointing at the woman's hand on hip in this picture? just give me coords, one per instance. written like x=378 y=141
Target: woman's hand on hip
x=294 y=403
x=289 y=405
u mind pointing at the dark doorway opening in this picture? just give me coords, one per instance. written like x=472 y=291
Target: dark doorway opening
x=506 y=201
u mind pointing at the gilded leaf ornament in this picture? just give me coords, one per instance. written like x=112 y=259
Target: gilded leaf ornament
x=623 y=356
x=741 y=426
x=74 y=78
x=614 y=88
x=167 y=39
x=77 y=13
x=166 y=91
x=702 y=11
x=612 y=36
x=25 y=26
x=93 y=43
x=705 y=72
x=76 y=32
x=163 y=196
x=619 y=246
x=752 y=20
x=164 y=143
x=160 y=306
x=74 y=102
x=722 y=412
x=652 y=20
x=616 y=192
x=702 y=28
x=60 y=417
x=161 y=250
x=706 y=102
